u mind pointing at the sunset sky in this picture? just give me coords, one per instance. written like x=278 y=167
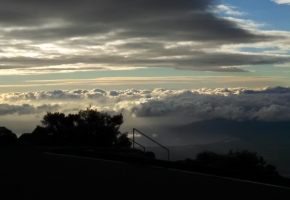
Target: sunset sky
x=151 y=60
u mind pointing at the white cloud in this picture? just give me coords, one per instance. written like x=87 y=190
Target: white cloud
x=160 y=107
x=233 y=103
x=246 y=23
x=264 y=104
x=229 y=10
x=282 y=1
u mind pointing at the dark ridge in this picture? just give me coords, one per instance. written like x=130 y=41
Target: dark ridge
x=244 y=128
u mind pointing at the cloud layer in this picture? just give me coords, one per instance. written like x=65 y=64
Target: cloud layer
x=269 y=104
x=68 y=36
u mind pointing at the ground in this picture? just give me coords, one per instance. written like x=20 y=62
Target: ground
x=36 y=175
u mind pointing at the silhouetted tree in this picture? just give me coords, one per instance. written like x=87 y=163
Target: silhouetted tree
x=245 y=160
x=6 y=136
x=41 y=136
x=207 y=156
x=87 y=127
x=123 y=141
x=26 y=139
x=55 y=125
x=99 y=128
x=237 y=160
x=271 y=169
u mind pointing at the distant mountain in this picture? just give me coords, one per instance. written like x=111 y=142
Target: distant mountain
x=270 y=139
x=239 y=127
x=225 y=128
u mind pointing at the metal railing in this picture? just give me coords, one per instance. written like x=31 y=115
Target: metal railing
x=134 y=142
x=134 y=129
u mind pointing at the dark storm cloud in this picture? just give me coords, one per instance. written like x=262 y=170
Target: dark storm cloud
x=99 y=10
x=131 y=33
x=173 y=20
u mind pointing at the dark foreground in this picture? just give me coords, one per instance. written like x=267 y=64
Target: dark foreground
x=32 y=174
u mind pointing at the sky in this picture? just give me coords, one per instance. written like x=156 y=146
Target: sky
x=156 y=62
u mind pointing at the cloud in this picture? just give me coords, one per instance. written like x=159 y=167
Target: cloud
x=164 y=81
x=282 y=1
x=229 y=10
x=66 y=36
x=25 y=109
x=6 y=109
x=245 y=23
x=150 y=110
x=283 y=65
x=268 y=104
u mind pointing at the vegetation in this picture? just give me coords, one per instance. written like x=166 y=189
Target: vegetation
x=89 y=132
x=235 y=160
x=88 y=127
x=6 y=136
x=91 y=128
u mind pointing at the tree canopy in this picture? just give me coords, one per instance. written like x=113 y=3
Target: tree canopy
x=236 y=160
x=6 y=136
x=87 y=127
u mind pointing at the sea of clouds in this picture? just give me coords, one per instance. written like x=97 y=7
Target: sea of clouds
x=268 y=104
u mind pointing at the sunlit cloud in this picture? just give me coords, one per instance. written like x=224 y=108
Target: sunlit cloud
x=268 y=104
x=82 y=36
x=245 y=23
x=283 y=65
x=282 y=1
x=229 y=10
x=143 y=81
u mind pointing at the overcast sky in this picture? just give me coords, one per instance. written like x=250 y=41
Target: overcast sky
x=59 y=48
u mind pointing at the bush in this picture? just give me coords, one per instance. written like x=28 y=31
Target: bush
x=236 y=160
x=150 y=154
x=245 y=161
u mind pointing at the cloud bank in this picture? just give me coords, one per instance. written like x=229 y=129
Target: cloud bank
x=268 y=104
x=68 y=36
